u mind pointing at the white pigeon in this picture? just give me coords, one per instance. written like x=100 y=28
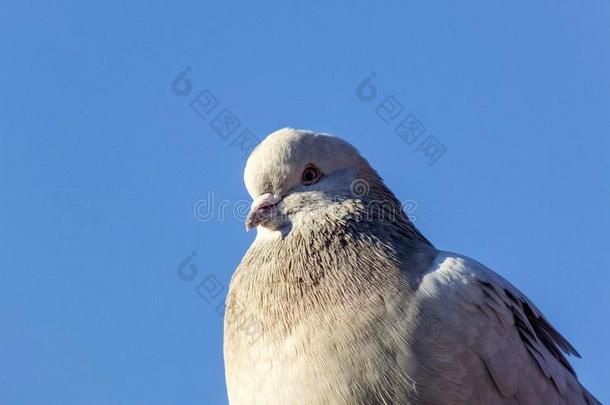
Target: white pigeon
x=341 y=300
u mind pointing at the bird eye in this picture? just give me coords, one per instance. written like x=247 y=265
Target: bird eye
x=310 y=175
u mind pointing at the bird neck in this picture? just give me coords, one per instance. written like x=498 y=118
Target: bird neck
x=342 y=256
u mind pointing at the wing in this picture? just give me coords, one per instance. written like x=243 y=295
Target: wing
x=501 y=347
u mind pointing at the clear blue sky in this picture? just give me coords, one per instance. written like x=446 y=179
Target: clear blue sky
x=102 y=163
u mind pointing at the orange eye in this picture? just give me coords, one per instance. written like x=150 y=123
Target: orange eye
x=310 y=175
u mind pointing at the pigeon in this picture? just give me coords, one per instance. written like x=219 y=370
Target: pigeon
x=341 y=300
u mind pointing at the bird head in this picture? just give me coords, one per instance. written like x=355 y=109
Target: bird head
x=295 y=175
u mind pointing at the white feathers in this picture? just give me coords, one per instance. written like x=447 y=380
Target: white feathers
x=339 y=301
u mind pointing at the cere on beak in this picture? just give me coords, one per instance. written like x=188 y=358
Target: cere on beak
x=262 y=209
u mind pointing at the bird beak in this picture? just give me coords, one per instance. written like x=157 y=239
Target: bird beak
x=262 y=209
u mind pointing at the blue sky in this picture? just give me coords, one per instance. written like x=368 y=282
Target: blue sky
x=102 y=164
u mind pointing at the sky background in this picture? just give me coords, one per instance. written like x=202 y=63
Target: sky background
x=102 y=161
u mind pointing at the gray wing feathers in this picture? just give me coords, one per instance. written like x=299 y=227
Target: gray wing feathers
x=524 y=356
x=542 y=341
